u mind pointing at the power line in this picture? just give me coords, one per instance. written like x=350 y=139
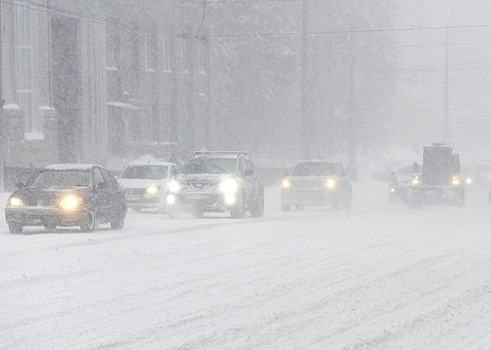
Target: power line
x=357 y=31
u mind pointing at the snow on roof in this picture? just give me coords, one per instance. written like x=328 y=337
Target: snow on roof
x=147 y=159
x=70 y=166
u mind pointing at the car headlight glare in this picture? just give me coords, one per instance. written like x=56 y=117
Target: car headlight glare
x=16 y=202
x=174 y=186
x=286 y=184
x=229 y=186
x=153 y=189
x=330 y=183
x=415 y=181
x=70 y=202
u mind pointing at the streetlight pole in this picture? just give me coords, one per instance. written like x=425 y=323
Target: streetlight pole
x=305 y=137
x=446 y=93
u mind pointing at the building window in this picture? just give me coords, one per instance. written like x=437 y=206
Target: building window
x=112 y=46
x=186 y=50
x=23 y=48
x=150 y=52
x=167 y=49
x=202 y=56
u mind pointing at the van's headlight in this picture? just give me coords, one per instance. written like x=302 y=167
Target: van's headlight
x=330 y=183
x=153 y=189
x=70 y=202
x=174 y=186
x=16 y=202
x=229 y=186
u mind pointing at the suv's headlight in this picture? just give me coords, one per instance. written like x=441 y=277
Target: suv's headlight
x=70 y=202
x=174 y=186
x=229 y=186
x=153 y=189
x=330 y=183
x=16 y=202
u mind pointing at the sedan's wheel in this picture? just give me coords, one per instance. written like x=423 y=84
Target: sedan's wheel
x=238 y=211
x=88 y=224
x=15 y=228
x=117 y=222
x=286 y=207
x=258 y=209
x=299 y=207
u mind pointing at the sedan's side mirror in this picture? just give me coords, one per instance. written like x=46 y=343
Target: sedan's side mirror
x=20 y=185
x=343 y=174
x=102 y=185
x=248 y=172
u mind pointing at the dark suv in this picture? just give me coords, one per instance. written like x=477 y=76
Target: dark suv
x=67 y=195
x=217 y=182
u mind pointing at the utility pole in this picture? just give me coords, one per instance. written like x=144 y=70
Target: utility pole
x=3 y=144
x=306 y=142
x=352 y=168
x=446 y=93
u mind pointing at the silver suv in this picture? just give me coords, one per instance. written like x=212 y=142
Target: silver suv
x=217 y=182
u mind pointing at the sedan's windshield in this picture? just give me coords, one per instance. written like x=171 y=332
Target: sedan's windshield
x=314 y=169
x=151 y=172
x=61 y=178
x=211 y=166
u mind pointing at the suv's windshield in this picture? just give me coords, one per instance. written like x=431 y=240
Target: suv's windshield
x=205 y=165
x=314 y=169
x=61 y=178
x=151 y=172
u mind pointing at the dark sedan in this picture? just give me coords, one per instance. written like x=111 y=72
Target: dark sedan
x=82 y=195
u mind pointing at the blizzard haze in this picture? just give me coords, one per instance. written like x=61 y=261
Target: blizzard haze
x=384 y=245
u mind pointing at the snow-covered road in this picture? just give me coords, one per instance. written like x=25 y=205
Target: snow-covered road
x=379 y=276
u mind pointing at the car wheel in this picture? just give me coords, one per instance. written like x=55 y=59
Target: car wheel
x=89 y=222
x=238 y=211
x=299 y=207
x=117 y=222
x=258 y=209
x=286 y=207
x=347 y=201
x=15 y=228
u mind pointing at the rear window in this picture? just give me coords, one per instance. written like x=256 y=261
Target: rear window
x=314 y=169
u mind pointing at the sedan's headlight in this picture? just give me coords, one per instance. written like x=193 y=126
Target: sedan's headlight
x=229 y=186
x=330 y=183
x=16 y=202
x=286 y=184
x=174 y=186
x=153 y=189
x=70 y=202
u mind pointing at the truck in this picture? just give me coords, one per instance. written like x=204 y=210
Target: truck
x=439 y=182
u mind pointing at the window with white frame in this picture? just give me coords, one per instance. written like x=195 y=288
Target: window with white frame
x=202 y=55
x=150 y=52
x=167 y=49
x=112 y=43
x=23 y=50
x=185 y=52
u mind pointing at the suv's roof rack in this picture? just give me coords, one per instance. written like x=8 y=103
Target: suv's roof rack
x=204 y=153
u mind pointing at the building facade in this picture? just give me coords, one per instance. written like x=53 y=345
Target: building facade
x=86 y=80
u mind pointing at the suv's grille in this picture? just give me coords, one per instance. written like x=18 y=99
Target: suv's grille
x=199 y=185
